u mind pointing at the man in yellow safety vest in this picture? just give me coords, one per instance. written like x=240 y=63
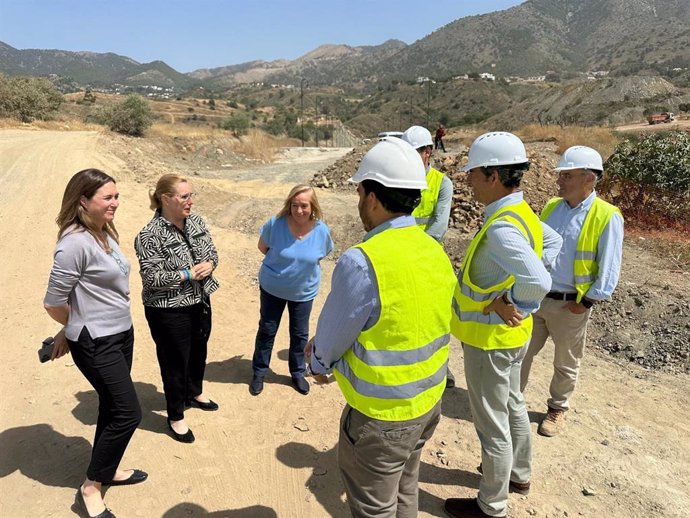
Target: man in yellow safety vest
x=503 y=279
x=433 y=211
x=384 y=332
x=585 y=272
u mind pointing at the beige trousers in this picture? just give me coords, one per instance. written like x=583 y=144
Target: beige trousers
x=379 y=462
x=569 y=333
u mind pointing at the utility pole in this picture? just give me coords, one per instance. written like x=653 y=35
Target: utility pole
x=316 y=121
x=302 y=85
x=428 y=100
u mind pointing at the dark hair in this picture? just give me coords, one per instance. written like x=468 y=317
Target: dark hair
x=84 y=183
x=509 y=175
x=393 y=199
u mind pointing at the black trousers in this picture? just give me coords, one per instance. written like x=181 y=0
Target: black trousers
x=181 y=336
x=106 y=362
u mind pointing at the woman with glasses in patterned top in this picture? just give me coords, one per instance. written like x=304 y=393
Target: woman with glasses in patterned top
x=88 y=293
x=177 y=258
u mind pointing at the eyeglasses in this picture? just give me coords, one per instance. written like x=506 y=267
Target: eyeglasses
x=425 y=149
x=568 y=175
x=184 y=197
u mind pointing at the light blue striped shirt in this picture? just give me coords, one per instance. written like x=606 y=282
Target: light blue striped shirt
x=568 y=222
x=352 y=305
x=505 y=251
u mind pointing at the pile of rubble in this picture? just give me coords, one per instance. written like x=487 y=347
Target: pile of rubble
x=645 y=326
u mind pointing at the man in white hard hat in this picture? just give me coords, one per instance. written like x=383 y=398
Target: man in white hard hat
x=502 y=282
x=585 y=272
x=384 y=332
x=433 y=211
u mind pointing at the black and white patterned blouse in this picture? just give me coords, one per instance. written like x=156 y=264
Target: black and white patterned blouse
x=163 y=251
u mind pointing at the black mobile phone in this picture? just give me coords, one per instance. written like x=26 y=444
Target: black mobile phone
x=46 y=350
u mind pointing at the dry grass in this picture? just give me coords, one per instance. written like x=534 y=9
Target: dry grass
x=258 y=145
x=255 y=145
x=59 y=124
x=600 y=138
x=186 y=131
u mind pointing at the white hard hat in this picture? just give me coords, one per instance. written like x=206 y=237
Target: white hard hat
x=580 y=157
x=393 y=163
x=495 y=149
x=417 y=137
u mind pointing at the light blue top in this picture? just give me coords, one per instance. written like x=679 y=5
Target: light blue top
x=353 y=304
x=506 y=251
x=291 y=269
x=568 y=222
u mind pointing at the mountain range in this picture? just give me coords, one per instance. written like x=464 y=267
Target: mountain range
x=537 y=36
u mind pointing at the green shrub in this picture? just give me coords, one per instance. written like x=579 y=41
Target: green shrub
x=650 y=179
x=238 y=123
x=28 y=98
x=131 y=116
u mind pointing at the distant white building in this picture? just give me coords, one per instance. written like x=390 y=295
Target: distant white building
x=487 y=76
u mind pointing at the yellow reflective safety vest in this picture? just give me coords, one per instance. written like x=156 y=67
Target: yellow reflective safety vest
x=425 y=210
x=396 y=369
x=469 y=324
x=585 y=265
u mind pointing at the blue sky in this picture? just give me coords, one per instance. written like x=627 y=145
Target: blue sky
x=192 y=34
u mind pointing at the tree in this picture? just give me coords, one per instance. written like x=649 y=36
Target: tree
x=89 y=96
x=129 y=117
x=238 y=123
x=28 y=98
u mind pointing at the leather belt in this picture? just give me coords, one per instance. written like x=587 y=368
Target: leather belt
x=561 y=296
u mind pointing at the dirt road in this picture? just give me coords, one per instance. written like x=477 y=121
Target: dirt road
x=624 y=454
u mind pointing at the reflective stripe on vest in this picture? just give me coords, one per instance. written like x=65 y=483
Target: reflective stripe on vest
x=585 y=266
x=396 y=369
x=425 y=210
x=470 y=325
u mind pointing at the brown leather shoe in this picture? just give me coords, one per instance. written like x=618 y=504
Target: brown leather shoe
x=465 y=508
x=521 y=488
x=553 y=423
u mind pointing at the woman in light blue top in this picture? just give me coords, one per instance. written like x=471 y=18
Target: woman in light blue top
x=294 y=242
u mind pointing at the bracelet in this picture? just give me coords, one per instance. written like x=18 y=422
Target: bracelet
x=187 y=274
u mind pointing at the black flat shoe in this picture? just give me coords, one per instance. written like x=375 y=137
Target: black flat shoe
x=301 y=385
x=82 y=506
x=210 y=405
x=136 y=477
x=256 y=386
x=187 y=437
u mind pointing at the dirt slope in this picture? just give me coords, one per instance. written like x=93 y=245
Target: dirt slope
x=274 y=455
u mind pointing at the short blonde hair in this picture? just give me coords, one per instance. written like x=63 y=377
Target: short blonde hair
x=166 y=185
x=297 y=190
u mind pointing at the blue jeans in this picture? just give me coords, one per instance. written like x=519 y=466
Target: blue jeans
x=271 y=313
